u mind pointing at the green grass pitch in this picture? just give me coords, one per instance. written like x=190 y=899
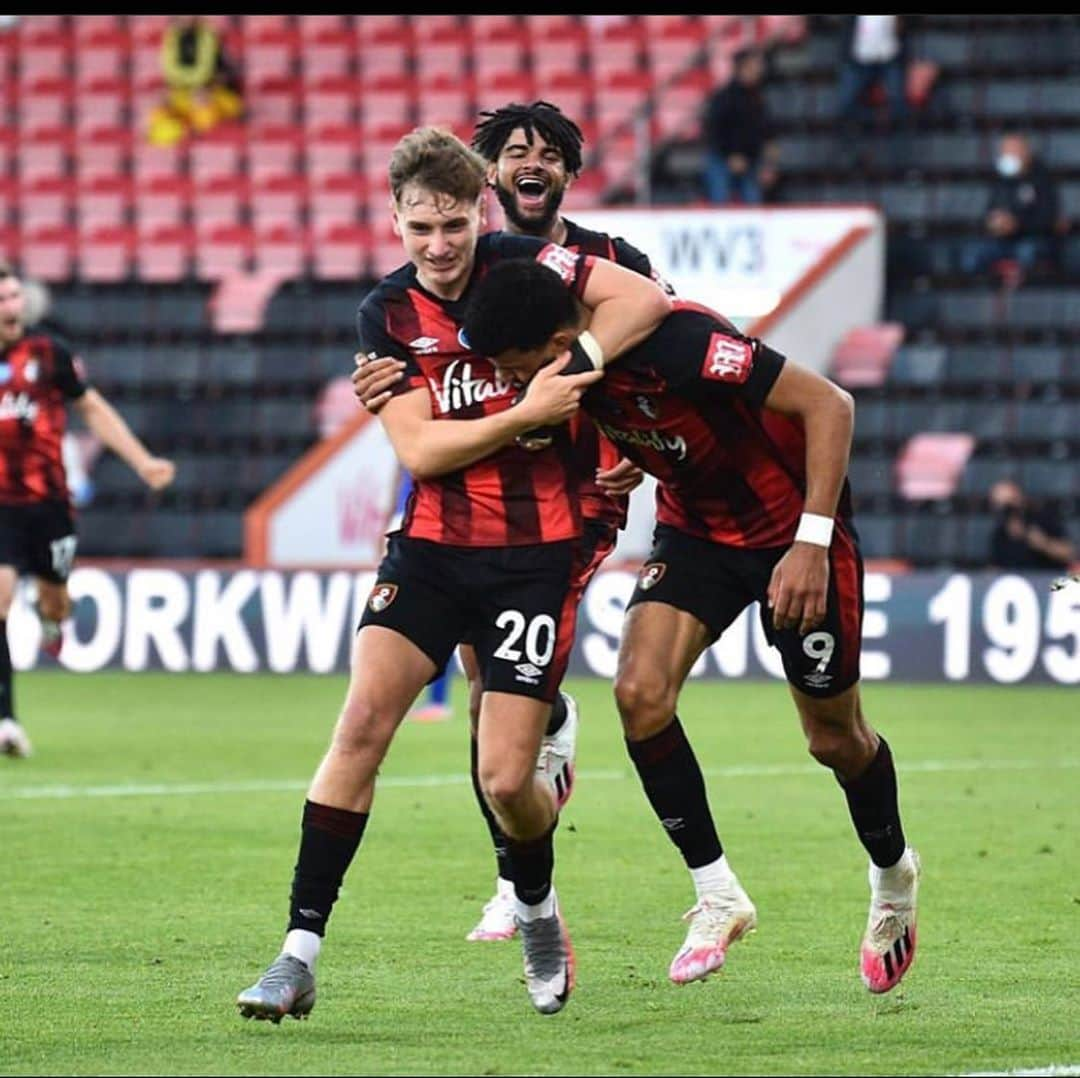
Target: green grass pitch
x=148 y=850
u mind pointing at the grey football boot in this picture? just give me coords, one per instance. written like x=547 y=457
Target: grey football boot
x=286 y=988
x=549 y=962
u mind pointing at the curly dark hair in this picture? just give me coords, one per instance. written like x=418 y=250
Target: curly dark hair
x=557 y=129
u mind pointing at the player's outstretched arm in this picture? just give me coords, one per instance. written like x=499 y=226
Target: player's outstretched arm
x=626 y=307
x=799 y=585
x=107 y=423
x=427 y=447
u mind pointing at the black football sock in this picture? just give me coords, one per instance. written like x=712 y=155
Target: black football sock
x=7 y=689
x=329 y=838
x=532 y=864
x=557 y=717
x=498 y=838
x=675 y=788
x=875 y=811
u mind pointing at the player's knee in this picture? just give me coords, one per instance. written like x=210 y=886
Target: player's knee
x=361 y=730
x=504 y=787
x=836 y=745
x=645 y=699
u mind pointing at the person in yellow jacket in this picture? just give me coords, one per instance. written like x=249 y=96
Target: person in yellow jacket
x=202 y=86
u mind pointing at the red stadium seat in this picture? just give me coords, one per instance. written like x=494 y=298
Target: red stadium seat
x=153 y=162
x=162 y=201
x=394 y=31
x=390 y=101
x=865 y=353
x=281 y=249
x=512 y=86
x=341 y=253
x=219 y=153
x=270 y=55
x=45 y=154
x=445 y=102
x=106 y=105
x=219 y=201
x=48 y=252
x=377 y=62
x=101 y=60
x=930 y=465
x=337 y=199
x=255 y=26
x=274 y=151
x=103 y=202
x=104 y=151
x=221 y=250
x=319 y=28
x=386 y=250
x=45 y=202
x=331 y=101
x=106 y=253
x=164 y=253
x=331 y=149
x=328 y=55
x=278 y=199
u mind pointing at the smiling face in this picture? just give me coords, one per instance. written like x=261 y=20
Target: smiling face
x=11 y=310
x=530 y=179
x=439 y=234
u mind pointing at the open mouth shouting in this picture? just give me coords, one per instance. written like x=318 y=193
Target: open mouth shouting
x=532 y=193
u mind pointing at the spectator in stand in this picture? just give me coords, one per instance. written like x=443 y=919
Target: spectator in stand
x=202 y=86
x=873 y=53
x=740 y=158
x=1022 y=219
x=1027 y=536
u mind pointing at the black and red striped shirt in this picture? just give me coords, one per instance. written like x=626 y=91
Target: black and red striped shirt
x=686 y=406
x=38 y=375
x=513 y=497
x=597 y=451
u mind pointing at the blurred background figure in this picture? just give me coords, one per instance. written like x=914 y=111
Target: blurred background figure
x=873 y=58
x=203 y=87
x=1026 y=536
x=1023 y=217
x=740 y=157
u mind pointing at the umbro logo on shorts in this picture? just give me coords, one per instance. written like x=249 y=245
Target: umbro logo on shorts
x=382 y=595
x=528 y=673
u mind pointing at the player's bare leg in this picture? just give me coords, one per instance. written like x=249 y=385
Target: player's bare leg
x=13 y=739
x=555 y=764
x=659 y=646
x=508 y=740
x=839 y=738
x=388 y=672
x=53 y=609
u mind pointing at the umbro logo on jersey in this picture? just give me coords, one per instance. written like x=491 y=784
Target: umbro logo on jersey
x=646 y=405
x=382 y=596
x=728 y=359
x=424 y=345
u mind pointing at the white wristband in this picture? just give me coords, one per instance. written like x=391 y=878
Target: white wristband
x=591 y=346
x=814 y=529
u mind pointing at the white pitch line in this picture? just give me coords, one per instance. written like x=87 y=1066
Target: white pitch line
x=1057 y=1070
x=194 y=789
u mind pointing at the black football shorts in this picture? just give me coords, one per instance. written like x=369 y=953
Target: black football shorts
x=38 y=539
x=517 y=606
x=715 y=583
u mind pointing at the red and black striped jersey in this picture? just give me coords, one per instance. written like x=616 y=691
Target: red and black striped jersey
x=596 y=451
x=513 y=497
x=686 y=406
x=38 y=375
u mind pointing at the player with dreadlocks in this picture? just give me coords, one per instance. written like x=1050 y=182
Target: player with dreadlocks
x=534 y=153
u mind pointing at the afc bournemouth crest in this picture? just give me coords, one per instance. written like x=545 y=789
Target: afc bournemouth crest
x=382 y=595
x=651 y=574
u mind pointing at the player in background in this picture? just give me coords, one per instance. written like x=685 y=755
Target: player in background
x=488 y=550
x=534 y=153
x=751 y=453
x=39 y=375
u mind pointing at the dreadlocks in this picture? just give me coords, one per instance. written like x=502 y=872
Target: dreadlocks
x=556 y=129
